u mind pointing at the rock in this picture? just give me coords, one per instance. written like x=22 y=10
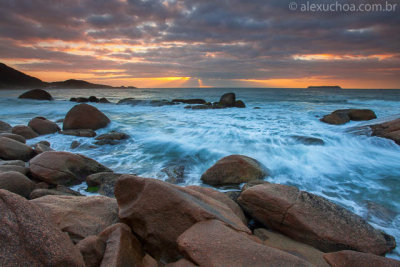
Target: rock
x=181 y=263
x=199 y=107
x=212 y=243
x=312 y=219
x=113 y=135
x=228 y=100
x=93 y=99
x=174 y=173
x=307 y=140
x=41 y=147
x=29 y=238
x=380 y=212
x=73 y=99
x=127 y=101
x=80 y=216
x=190 y=101
x=43 y=142
x=343 y=116
x=74 y=144
x=351 y=258
x=104 y=100
x=5 y=127
x=14 y=168
x=82 y=99
x=92 y=249
x=105 y=181
x=15 y=137
x=123 y=248
x=24 y=131
x=64 y=168
x=60 y=121
x=84 y=116
x=253 y=183
x=159 y=212
x=240 y=104
x=14 y=150
x=233 y=195
x=36 y=94
x=106 y=142
x=12 y=162
x=389 y=130
x=17 y=183
x=284 y=243
x=60 y=190
x=43 y=126
x=149 y=261
x=80 y=132
x=234 y=169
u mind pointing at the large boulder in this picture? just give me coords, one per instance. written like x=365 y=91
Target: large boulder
x=228 y=100
x=349 y=258
x=5 y=127
x=63 y=167
x=24 y=131
x=389 y=130
x=29 y=238
x=36 y=94
x=85 y=116
x=17 y=183
x=343 y=116
x=43 y=126
x=16 y=137
x=80 y=216
x=159 y=212
x=14 y=150
x=234 y=169
x=312 y=219
x=212 y=243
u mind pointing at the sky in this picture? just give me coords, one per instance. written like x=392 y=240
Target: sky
x=201 y=43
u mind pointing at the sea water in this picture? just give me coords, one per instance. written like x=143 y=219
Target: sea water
x=359 y=172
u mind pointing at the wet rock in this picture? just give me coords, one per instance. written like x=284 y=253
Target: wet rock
x=228 y=100
x=105 y=181
x=15 y=137
x=307 y=140
x=74 y=144
x=380 y=212
x=284 y=243
x=343 y=116
x=12 y=162
x=240 y=104
x=84 y=116
x=113 y=135
x=5 y=127
x=190 y=101
x=14 y=150
x=107 y=142
x=93 y=99
x=13 y=168
x=389 y=130
x=80 y=217
x=234 y=169
x=29 y=238
x=351 y=258
x=43 y=126
x=104 y=100
x=79 y=133
x=73 y=99
x=82 y=100
x=212 y=243
x=17 y=183
x=92 y=249
x=128 y=101
x=312 y=219
x=174 y=173
x=41 y=147
x=64 y=168
x=36 y=94
x=24 y=131
x=159 y=212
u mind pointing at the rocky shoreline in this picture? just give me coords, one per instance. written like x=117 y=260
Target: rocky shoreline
x=147 y=222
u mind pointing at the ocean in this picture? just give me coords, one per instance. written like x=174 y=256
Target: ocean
x=359 y=172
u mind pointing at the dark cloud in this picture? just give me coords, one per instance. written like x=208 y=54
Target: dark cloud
x=206 y=39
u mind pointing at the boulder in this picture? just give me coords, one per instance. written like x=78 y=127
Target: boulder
x=43 y=126
x=234 y=169
x=123 y=248
x=343 y=116
x=312 y=219
x=93 y=99
x=190 y=101
x=346 y=258
x=82 y=99
x=113 y=135
x=12 y=162
x=14 y=168
x=15 y=137
x=60 y=190
x=284 y=243
x=5 y=127
x=17 y=183
x=80 y=217
x=308 y=140
x=84 y=116
x=36 y=94
x=64 y=168
x=80 y=132
x=159 y=212
x=389 y=130
x=24 y=131
x=104 y=181
x=228 y=100
x=212 y=243
x=92 y=249
x=41 y=147
x=29 y=238
x=14 y=150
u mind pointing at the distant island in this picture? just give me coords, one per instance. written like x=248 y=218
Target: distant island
x=13 y=79
x=325 y=87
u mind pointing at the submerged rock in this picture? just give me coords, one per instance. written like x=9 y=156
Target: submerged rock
x=43 y=126
x=343 y=116
x=36 y=94
x=24 y=131
x=308 y=140
x=29 y=238
x=312 y=219
x=234 y=169
x=84 y=116
x=14 y=150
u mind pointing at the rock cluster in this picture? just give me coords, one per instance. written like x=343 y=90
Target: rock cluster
x=227 y=100
x=343 y=116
